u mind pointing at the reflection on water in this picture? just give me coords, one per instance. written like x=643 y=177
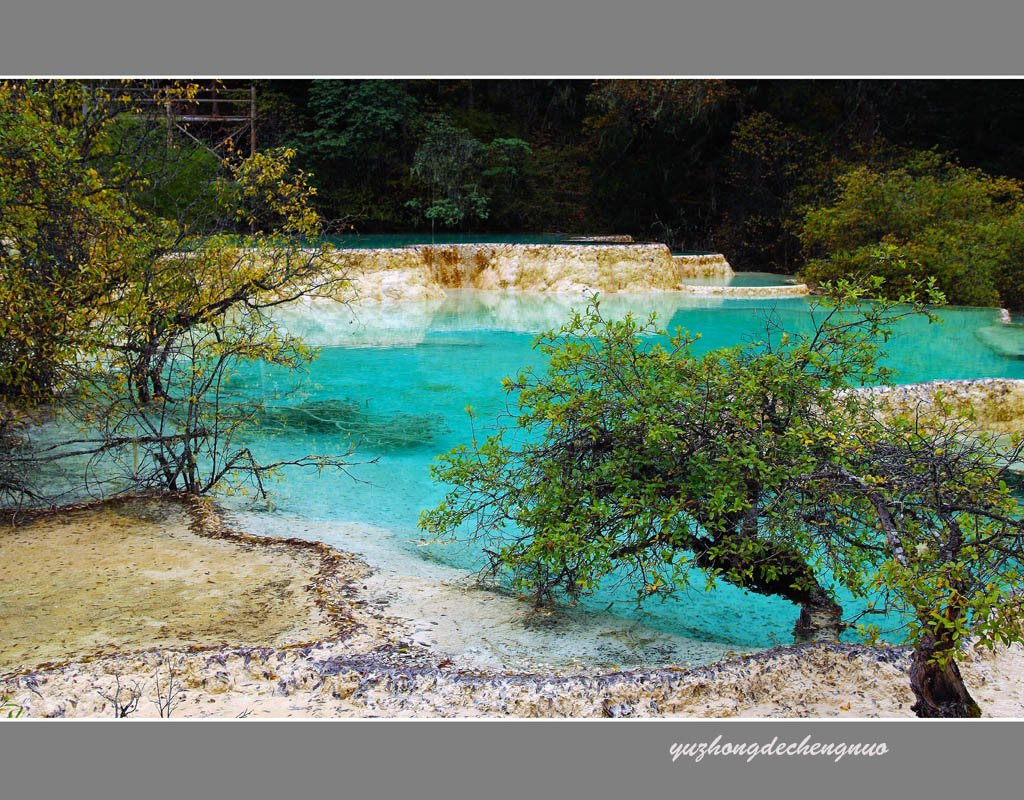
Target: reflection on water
x=422 y=363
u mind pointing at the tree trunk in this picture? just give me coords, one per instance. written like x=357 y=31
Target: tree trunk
x=792 y=577
x=940 y=691
x=820 y=621
x=820 y=616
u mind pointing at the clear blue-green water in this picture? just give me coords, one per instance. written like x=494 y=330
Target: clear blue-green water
x=376 y=241
x=743 y=279
x=411 y=370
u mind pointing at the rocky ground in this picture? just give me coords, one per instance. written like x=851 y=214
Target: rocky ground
x=157 y=599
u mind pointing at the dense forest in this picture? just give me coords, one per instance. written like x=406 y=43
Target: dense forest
x=724 y=165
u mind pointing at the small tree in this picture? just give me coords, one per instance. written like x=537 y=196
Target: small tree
x=635 y=456
x=450 y=162
x=128 y=319
x=640 y=455
x=159 y=381
x=924 y=497
x=59 y=209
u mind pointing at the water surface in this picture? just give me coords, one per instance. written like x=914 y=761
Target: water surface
x=743 y=279
x=401 y=376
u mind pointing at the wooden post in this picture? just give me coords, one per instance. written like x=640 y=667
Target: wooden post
x=170 y=122
x=252 y=119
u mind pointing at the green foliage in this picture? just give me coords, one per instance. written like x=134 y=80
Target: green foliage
x=724 y=165
x=506 y=157
x=634 y=453
x=462 y=174
x=170 y=178
x=58 y=210
x=359 y=146
x=1008 y=233
x=774 y=170
x=8 y=709
x=958 y=225
x=357 y=119
x=450 y=163
x=128 y=314
x=634 y=458
x=507 y=177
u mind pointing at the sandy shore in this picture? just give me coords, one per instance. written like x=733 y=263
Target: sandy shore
x=129 y=593
x=135 y=575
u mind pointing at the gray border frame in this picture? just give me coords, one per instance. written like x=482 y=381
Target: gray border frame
x=393 y=759
x=496 y=759
x=458 y=37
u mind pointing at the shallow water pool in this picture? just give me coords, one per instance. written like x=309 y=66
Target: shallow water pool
x=401 y=377
x=743 y=279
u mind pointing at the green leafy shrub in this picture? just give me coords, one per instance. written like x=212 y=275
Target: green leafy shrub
x=961 y=226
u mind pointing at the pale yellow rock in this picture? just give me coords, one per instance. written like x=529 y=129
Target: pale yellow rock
x=340 y=686
x=424 y=272
x=702 y=266
x=790 y=290
x=219 y=683
x=997 y=404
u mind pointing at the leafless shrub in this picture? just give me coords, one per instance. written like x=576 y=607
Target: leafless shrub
x=124 y=699
x=170 y=695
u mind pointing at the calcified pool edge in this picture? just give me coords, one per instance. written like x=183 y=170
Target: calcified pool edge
x=375 y=665
x=373 y=668
x=425 y=272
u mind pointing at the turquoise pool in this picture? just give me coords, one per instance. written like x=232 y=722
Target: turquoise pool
x=407 y=372
x=743 y=279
